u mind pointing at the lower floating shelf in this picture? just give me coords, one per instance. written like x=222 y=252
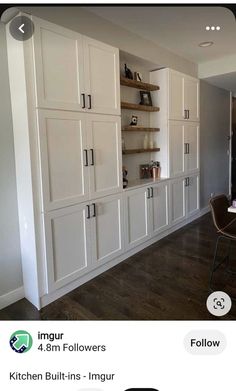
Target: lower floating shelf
x=139 y=150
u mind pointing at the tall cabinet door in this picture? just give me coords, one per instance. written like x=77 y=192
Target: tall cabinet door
x=64 y=167
x=104 y=155
x=159 y=208
x=101 y=77
x=192 y=195
x=191 y=97
x=107 y=229
x=58 y=54
x=137 y=217
x=176 y=148
x=176 y=95
x=191 y=140
x=67 y=249
x=177 y=200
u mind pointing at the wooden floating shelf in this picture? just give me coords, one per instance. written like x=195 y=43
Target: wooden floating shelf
x=132 y=106
x=138 y=84
x=139 y=150
x=139 y=129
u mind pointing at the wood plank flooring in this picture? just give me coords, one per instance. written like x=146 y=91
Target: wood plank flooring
x=166 y=281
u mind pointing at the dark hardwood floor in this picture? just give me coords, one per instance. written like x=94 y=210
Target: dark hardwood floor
x=166 y=281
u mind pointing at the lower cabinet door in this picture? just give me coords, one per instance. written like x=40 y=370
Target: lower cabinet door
x=177 y=200
x=67 y=245
x=137 y=217
x=192 y=195
x=159 y=213
x=107 y=230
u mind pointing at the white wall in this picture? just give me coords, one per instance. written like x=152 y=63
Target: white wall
x=214 y=144
x=10 y=266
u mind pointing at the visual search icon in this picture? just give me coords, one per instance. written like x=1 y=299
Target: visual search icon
x=219 y=303
x=21 y=341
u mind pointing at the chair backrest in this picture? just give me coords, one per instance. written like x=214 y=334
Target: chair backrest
x=219 y=209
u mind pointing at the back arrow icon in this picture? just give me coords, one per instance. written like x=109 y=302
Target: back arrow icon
x=21 y=28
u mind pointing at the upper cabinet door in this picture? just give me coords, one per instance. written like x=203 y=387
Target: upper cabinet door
x=101 y=77
x=59 y=67
x=104 y=154
x=176 y=95
x=64 y=164
x=191 y=98
x=176 y=148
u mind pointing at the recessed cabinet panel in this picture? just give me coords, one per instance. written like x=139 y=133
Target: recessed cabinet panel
x=176 y=96
x=193 y=195
x=160 y=208
x=63 y=160
x=178 y=212
x=104 y=155
x=137 y=214
x=59 y=66
x=176 y=148
x=102 y=77
x=107 y=228
x=66 y=244
x=191 y=139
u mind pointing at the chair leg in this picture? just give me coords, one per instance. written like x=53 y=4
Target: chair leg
x=216 y=265
x=229 y=270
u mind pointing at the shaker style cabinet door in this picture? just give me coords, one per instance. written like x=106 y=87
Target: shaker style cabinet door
x=159 y=208
x=191 y=98
x=67 y=249
x=191 y=147
x=192 y=195
x=101 y=64
x=58 y=54
x=64 y=158
x=177 y=200
x=104 y=155
x=176 y=148
x=176 y=95
x=106 y=228
x=137 y=215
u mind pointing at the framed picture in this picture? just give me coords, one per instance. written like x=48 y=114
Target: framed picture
x=146 y=98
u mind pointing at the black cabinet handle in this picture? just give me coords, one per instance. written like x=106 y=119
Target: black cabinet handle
x=90 y=101
x=185 y=148
x=83 y=100
x=148 y=193
x=151 y=192
x=188 y=148
x=188 y=113
x=86 y=157
x=88 y=211
x=186 y=182
x=94 y=210
x=92 y=157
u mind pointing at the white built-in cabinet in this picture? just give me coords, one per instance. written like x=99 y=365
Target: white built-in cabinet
x=147 y=213
x=183 y=97
x=74 y=72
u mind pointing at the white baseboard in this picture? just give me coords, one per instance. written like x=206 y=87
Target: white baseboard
x=11 y=297
x=204 y=211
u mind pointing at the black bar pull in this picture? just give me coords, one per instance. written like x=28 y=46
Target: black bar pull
x=86 y=157
x=88 y=211
x=151 y=192
x=90 y=101
x=94 y=209
x=188 y=113
x=188 y=148
x=92 y=157
x=185 y=148
x=186 y=182
x=148 y=193
x=185 y=114
x=83 y=100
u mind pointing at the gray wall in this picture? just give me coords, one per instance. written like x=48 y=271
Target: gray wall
x=214 y=144
x=10 y=266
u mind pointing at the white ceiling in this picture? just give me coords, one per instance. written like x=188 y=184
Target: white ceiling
x=179 y=29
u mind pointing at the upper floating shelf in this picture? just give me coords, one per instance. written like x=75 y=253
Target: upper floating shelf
x=138 y=84
x=132 y=106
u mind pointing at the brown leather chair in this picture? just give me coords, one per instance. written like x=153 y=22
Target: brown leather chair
x=225 y=224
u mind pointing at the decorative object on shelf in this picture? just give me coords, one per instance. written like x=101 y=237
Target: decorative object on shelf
x=128 y=73
x=145 y=142
x=155 y=170
x=138 y=76
x=123 y=143
x=134 y=120
x=151 y=143
x=144 y=171
x=146 y=98
x=125 y=174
